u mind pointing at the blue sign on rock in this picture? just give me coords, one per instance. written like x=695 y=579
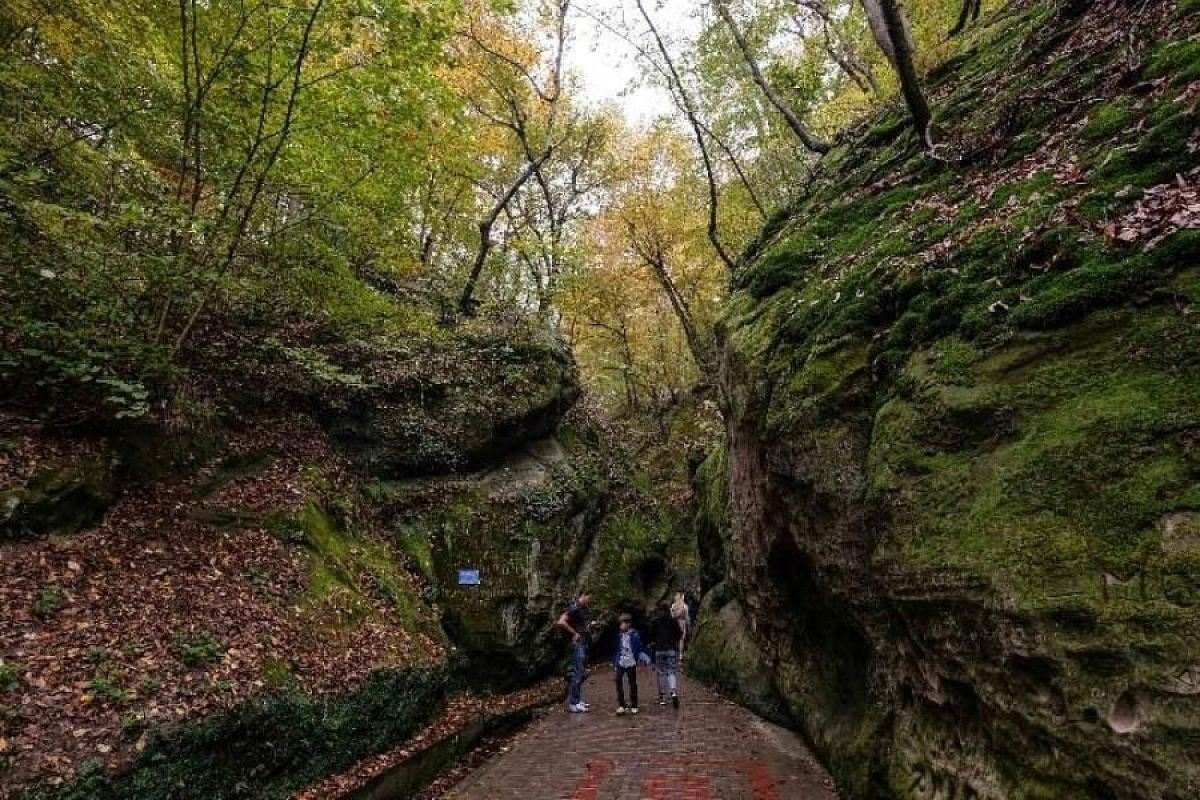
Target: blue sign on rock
x=468 y=577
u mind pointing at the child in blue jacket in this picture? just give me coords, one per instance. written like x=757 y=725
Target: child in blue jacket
x=629 y=652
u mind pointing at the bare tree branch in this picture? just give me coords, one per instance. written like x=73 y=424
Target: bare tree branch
x=689 y=111
x=534 y=159
x=806 y=137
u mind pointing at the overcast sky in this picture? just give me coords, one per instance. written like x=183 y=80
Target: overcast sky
x=606 y=64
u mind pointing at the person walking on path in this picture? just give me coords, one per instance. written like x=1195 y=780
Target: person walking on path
x=629 y=652
x=576 y=622
x=666 y=638
x=682 y=616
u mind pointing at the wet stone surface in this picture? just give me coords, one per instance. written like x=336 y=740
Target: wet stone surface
x=708 y=749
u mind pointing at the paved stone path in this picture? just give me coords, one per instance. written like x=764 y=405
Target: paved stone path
x=708 y=749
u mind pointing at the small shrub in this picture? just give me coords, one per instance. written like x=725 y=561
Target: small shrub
x=277 y=674
x=260 y=579
x=10 y=676
x=107 y=685
x=285 y=528
x=133 y=724
x=196 y=648
x=96 y=654
x=49 y=601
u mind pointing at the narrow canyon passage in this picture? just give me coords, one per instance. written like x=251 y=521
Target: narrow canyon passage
x=366 y=368
x=708 y=749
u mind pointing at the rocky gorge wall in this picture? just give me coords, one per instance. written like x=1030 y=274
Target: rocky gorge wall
x=247 y=606
x=957 y=517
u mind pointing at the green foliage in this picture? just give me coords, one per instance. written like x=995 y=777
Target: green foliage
x=1059 y=299
x=1069 y=448
x=97 y=654
x=49 y=601
x=136 y=198
x=1016 y=380
x=268 y=747
x=351 y=572
x=316 y=366
x=11 y=675
x=412 y=541
x=955 y=359
x=1109 y=120
x=277 y=674
x=1177 y=60
x=285 y=527
x=196 y=648
x=150 y=684
x=107 y=685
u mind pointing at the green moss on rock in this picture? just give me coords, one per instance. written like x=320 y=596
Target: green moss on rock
x=725 y=655
x=963 y=417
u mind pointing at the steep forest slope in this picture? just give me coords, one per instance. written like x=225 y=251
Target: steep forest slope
x=246 y=444
x=257 y=601
x=957 y=521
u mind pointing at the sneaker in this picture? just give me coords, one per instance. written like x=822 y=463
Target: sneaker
x=675 y=699
x=633 y=710
x=662 y=701
x=620 y=710
x=585 y=706
x=578 y=708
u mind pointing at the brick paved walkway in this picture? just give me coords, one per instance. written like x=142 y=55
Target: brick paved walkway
x=709 y=749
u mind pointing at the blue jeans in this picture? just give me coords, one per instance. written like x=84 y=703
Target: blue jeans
x=578 y=673
x=666 y=662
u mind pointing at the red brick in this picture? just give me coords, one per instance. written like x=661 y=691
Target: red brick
x=708 y=749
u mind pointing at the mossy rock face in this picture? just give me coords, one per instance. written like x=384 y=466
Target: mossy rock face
x=711 y=521
x=724 y=654
x=62 y=499
x=963 y=462
x=528 y=526
x=450 y=406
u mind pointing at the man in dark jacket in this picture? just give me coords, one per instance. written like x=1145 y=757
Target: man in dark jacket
x=665 y=641
x=576 y=622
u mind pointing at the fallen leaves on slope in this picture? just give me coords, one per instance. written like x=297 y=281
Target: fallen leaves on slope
x=1161 y=211
x=171 y=608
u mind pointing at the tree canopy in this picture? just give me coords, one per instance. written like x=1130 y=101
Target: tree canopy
x=393 y=166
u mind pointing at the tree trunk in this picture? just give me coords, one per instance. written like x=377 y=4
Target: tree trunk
x=838 y=50
x=806 y=137
x=697 y=129
x=652 y=253
x=466 y=302
x=891 y=30
x=969 y=13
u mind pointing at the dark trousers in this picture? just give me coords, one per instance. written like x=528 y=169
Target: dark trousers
x=631 y=673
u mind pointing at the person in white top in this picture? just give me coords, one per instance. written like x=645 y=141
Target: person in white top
x=679 y=611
